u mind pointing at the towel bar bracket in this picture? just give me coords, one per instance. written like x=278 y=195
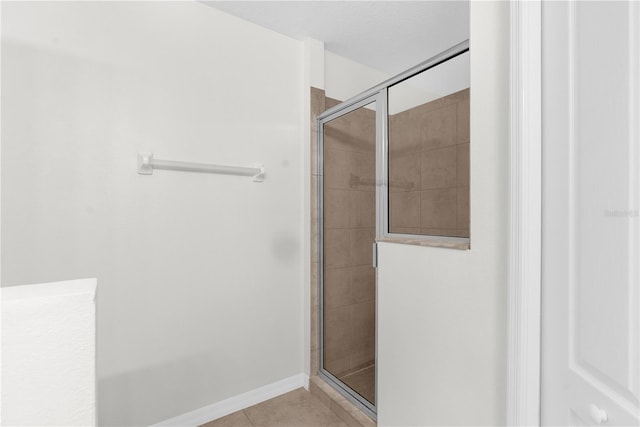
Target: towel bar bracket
x=259 y=177
x=144 y=163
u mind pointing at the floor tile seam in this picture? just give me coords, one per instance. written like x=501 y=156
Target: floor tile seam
x=359 y=370
x=246 y=414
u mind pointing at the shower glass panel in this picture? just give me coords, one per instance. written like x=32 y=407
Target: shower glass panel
x=348 y=233
x=428 y=180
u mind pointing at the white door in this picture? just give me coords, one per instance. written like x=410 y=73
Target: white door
x=591 y=297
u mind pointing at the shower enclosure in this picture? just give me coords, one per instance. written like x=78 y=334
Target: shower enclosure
x=393 y=165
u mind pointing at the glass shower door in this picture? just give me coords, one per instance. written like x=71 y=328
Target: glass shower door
x=348 y=231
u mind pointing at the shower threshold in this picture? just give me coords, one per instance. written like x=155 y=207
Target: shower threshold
x=344 y=406
x=363 y=381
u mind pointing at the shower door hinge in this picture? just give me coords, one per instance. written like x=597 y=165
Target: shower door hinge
x=375 y=255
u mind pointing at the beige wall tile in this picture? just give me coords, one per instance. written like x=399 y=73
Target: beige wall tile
x=439 y=168
x=339 y=167
x=313 y=152
x=363 y=284
x=337 y=366
x=438 y=208
x=439 y=128
x=460 y=233
x=363 y=324
x=437 y=104
x=337 y=338
x=337 y=287
x=404 y=132
x=463 y=165
x=363 y=209
x=361 y=246
x=463 y=208
x=313 y=284
x=336 y=248
x=394 y=126
x=337 y=208
x=363 y=319
x=463 y=121
x=354 y=131
x=314 y=240
x=317 y=105
x=330 y=102
x=338 y=136
x=404 y=171
x=365 y=170
x=314 y=326
x=314 y=198
x=315 y=358
x=363 y=143
x=462 y=95
x=363 y=355
x=363 y=129
x=404 y=210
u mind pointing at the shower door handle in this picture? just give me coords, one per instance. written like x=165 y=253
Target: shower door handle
x=375 y=255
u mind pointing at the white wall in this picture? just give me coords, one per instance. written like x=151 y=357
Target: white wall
x=200 y=275
x=442 y=312
x=345 y=78
x=48 y=354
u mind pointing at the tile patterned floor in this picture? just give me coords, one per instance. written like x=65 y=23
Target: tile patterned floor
x=294 y=409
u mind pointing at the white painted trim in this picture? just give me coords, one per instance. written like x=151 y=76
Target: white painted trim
x=524 y=289
x=236 y=403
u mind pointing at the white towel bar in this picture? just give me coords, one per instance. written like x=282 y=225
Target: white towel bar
x=146 y=165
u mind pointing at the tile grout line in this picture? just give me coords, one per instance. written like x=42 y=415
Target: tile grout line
x=247 y=415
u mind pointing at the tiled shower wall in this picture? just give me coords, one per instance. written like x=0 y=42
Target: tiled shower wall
x=429 y=168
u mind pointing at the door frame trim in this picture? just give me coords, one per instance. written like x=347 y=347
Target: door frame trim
x=525 y=219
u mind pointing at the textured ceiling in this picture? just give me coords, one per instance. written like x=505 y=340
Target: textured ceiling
x=389 y=36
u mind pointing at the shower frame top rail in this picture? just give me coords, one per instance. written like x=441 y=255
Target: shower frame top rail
x=146 y=165
x=438 y=59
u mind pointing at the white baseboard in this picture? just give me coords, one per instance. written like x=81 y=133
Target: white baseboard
x=237 y=403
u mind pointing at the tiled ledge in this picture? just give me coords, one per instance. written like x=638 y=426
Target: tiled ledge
x=432 y=242
x=339 y=405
